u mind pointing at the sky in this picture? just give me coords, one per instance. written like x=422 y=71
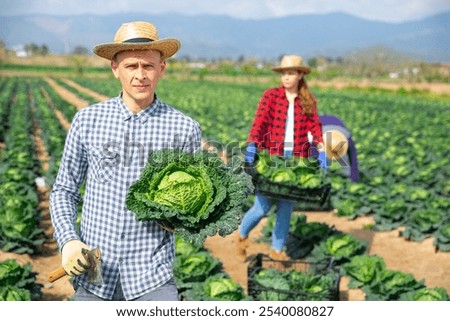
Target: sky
x=380 y=10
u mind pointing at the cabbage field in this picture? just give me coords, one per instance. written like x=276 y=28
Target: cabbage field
x=401 y=138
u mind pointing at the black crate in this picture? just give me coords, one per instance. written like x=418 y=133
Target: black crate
x=261 y=261
x=263 y=185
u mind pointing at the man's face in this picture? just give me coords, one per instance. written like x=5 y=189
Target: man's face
x=138 y=72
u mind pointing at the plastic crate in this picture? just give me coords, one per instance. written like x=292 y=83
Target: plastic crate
x=263 y=185
x=261 y=261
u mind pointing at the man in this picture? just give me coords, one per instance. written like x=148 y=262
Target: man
x=107 y=147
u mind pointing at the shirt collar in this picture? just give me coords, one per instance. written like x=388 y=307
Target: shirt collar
x=143 y=115
x=282 y=93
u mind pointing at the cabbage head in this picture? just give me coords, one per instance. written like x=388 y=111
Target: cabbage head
x=426 y=294
x=188 y=190
x=194 y=194
x=216 y=287
x=364 y=269
x=283 y=175
x=223 y=288
x=13 y=293
x=195 y=267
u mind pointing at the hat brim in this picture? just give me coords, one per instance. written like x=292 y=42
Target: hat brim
x=168 y=47
x=305 y=70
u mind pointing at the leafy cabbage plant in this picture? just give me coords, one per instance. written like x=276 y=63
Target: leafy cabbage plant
x=442 y=237
x=223 y=288
x=339 y=248
x=390 y=285
x=13 y=293
x=18 y=283
x=422 y=224
x=364 y=269
x=274 y=285
x=195 y=194
x=217 y=287
x=182 y=247
x=426 y=294
x=195 y=267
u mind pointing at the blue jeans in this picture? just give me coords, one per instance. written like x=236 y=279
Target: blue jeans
x=259 y=209
x=166 y=292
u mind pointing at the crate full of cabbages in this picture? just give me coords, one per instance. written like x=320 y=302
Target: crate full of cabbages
x=290 y=280
x=295 y=178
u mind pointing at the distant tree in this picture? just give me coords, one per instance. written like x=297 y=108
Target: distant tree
x=2 y=49
x=33 y=49
x=30 y=48
x=312 y=62
x=44 y=50
x=80 y=50
x=79 y=63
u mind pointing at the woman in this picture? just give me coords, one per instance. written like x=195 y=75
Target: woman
x=284 y=119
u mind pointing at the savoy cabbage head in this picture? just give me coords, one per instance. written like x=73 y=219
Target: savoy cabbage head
x=195 y=194
x=217 y=287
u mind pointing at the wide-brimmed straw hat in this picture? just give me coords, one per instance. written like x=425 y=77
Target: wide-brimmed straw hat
x=336 y=144
x=138 y=35
x=292 y=63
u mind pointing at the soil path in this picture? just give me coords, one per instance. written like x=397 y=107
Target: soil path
x=67 y=95
x=61 y=118
x=85 y=90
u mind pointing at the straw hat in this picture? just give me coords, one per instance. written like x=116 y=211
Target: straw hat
x=336 y=144
x=137 y=35
x=292 y=63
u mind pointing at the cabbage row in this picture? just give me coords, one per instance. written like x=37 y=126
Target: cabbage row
x=19 y=214
x=52 y=132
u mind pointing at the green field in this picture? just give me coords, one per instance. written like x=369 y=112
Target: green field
x=401 y=138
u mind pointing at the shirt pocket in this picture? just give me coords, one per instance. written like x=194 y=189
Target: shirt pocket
x=104 y=162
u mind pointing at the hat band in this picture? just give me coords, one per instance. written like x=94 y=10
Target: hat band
x=134 y=40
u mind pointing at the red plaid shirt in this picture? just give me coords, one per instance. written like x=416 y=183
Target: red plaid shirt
x=269 y=124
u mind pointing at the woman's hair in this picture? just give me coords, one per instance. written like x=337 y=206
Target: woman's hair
x=306 y=97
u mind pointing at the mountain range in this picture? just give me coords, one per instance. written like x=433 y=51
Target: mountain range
x=216 y=36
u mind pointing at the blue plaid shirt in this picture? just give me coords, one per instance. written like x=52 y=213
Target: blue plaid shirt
x=107 y=147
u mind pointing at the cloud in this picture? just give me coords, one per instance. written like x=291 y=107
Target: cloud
x=384 y=10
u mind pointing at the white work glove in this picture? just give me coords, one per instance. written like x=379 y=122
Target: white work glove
x=73 y=261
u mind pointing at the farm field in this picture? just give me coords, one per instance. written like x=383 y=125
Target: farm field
x=399 y=210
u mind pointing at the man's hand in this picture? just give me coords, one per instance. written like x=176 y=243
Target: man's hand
x=73 y=261
x=250 y=153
